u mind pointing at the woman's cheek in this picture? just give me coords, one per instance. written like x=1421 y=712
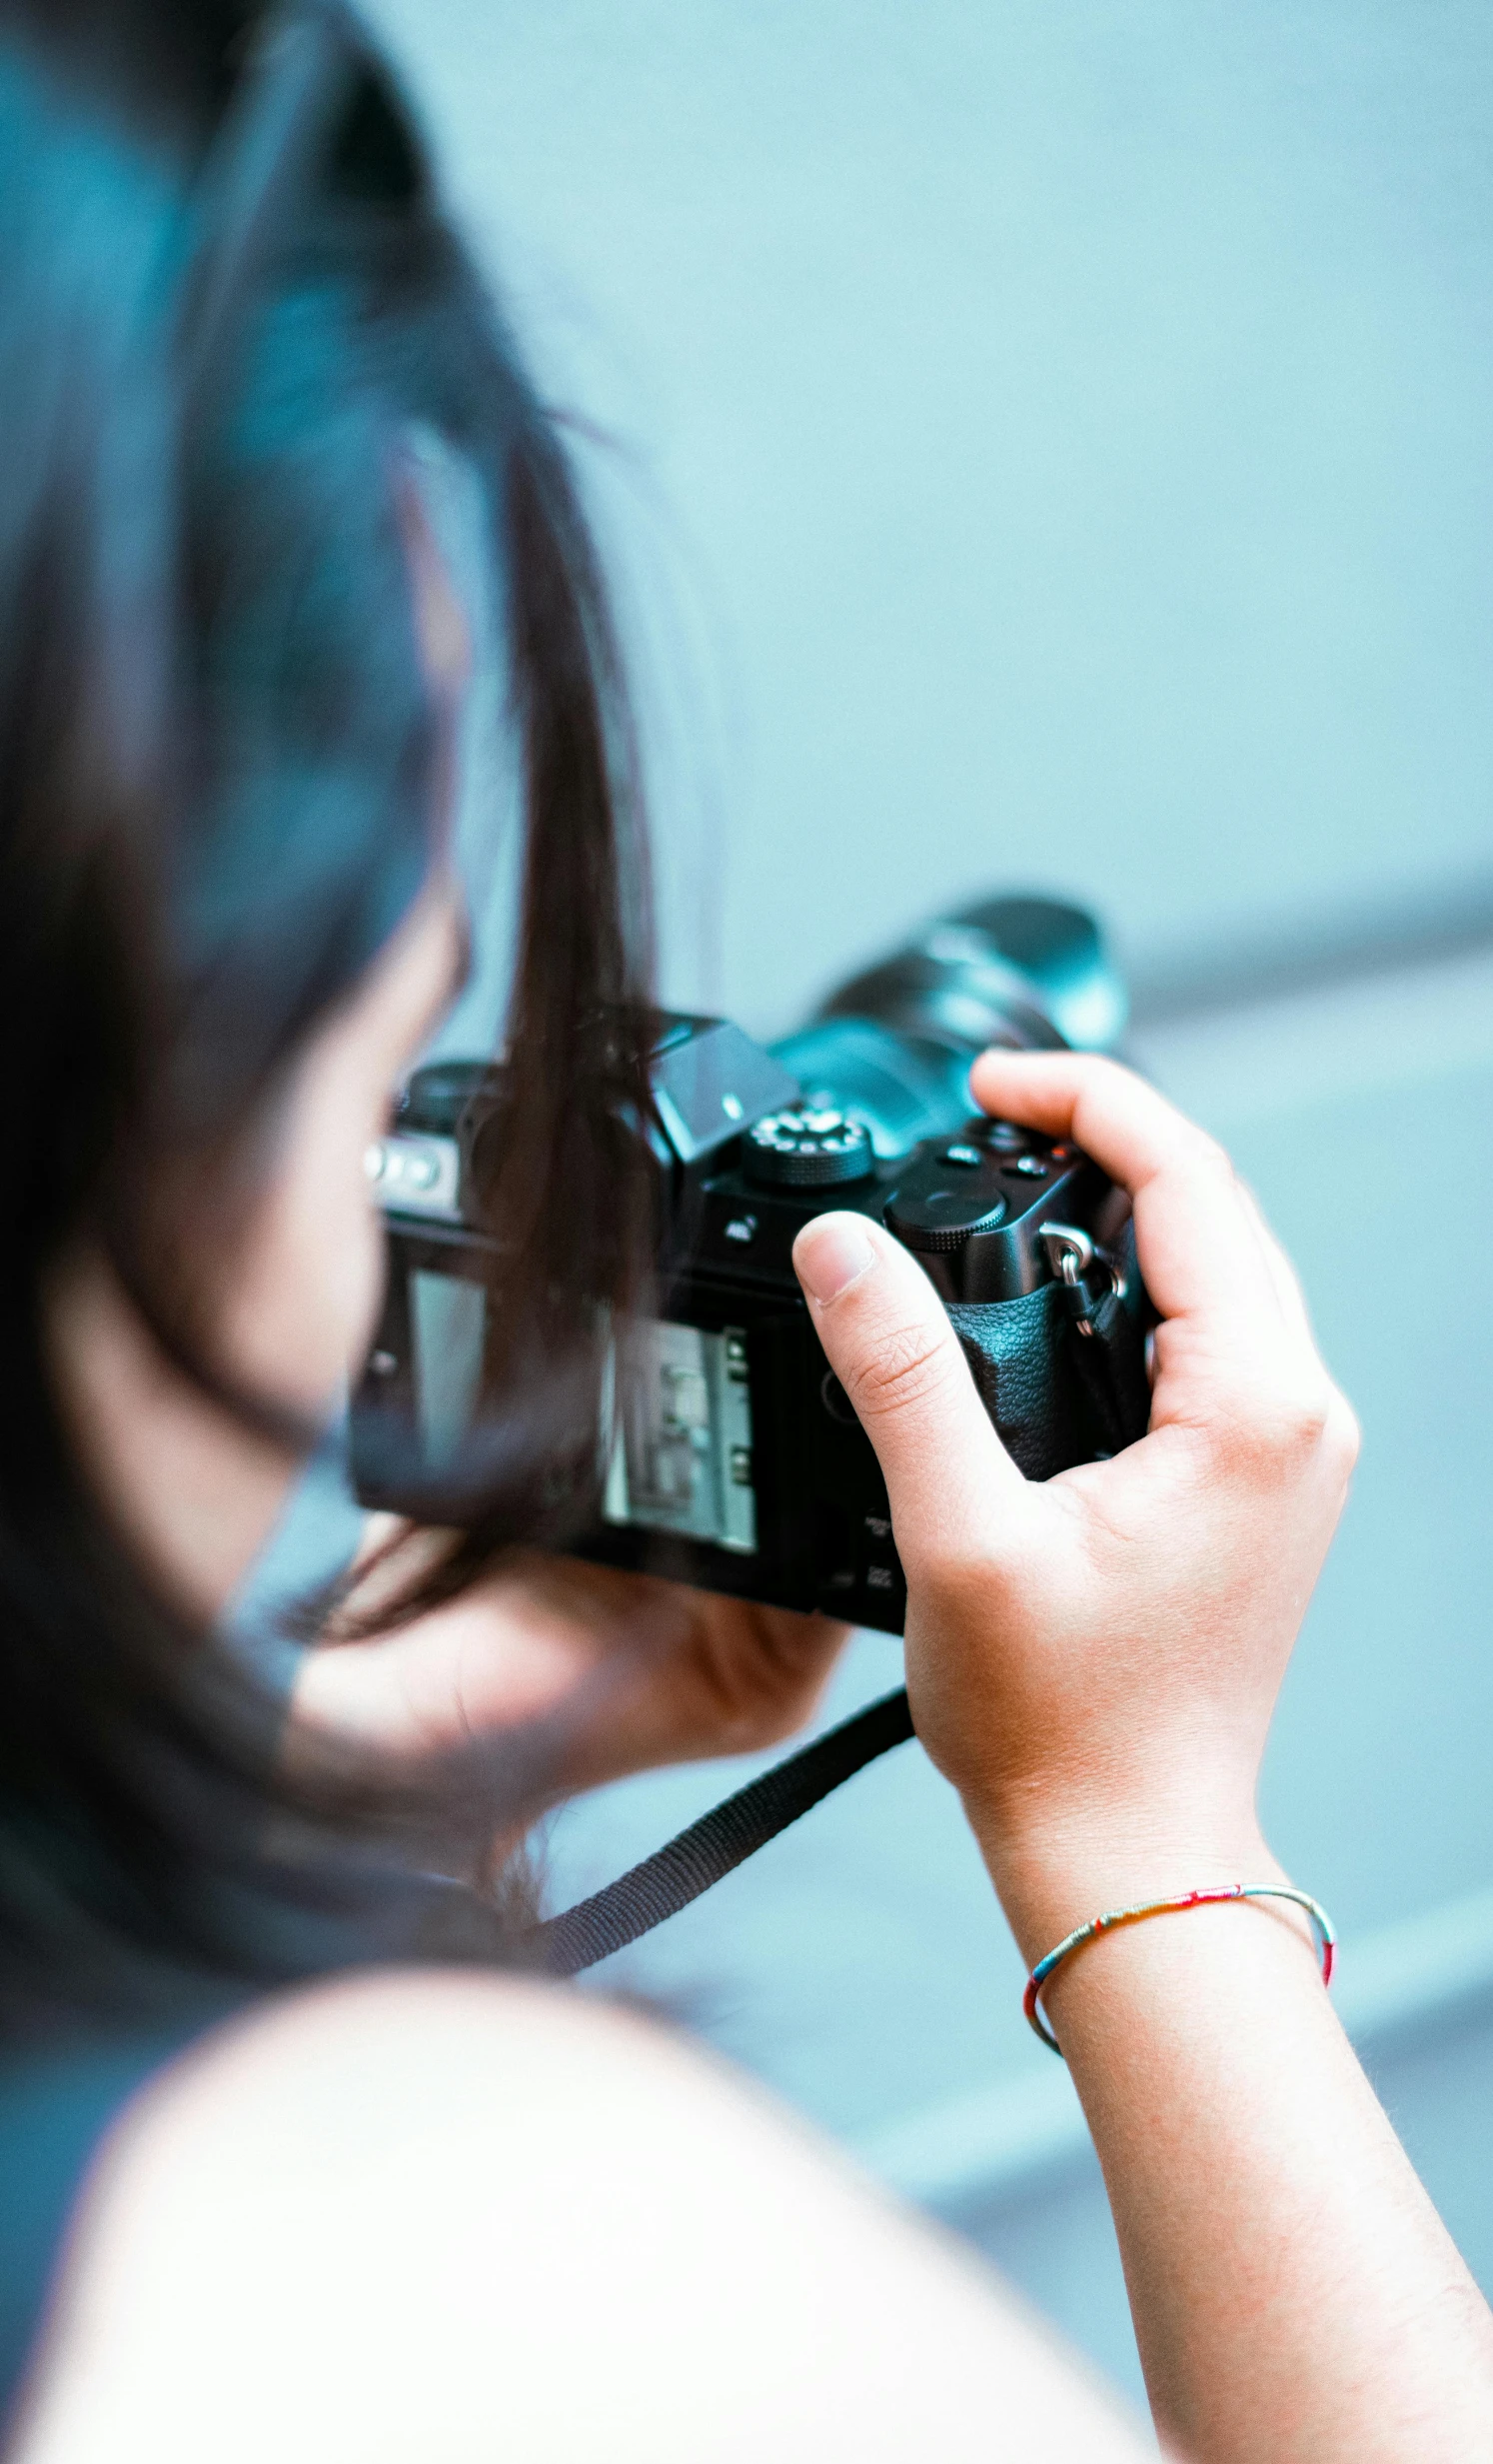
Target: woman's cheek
x=308 y=1300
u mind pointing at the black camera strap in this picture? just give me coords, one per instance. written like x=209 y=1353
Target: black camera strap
x=721 y=1840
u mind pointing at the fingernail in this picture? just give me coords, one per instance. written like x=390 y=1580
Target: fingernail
x=830 y=1252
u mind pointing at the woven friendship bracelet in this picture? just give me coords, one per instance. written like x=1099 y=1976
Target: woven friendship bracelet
x=1111 y=1917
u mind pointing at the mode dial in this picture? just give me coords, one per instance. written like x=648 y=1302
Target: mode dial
x=812 y=1146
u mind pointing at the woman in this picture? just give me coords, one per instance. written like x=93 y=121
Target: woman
x=305 y=2159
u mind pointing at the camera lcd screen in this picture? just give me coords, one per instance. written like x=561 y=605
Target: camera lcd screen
x=676 y=1414
x=447 y=1318
x=682 y=1438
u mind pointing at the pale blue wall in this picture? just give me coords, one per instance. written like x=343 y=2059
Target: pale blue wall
x=1066 y=426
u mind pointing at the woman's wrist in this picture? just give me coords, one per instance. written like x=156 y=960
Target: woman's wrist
x=1054 y=1877
x=1207 y=1954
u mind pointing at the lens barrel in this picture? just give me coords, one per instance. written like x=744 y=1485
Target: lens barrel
x=894 y=1043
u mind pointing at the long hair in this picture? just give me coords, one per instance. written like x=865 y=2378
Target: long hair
x=227 y=292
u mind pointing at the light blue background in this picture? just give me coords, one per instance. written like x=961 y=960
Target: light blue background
x=1050 y=445
x=1050 y=440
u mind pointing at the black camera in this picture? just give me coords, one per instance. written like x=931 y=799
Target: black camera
x=727 y=1454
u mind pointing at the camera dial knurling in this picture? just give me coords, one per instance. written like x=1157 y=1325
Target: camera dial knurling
x=813 y=1147
x=937 y=1210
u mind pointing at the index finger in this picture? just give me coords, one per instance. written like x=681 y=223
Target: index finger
x=1199 y=1250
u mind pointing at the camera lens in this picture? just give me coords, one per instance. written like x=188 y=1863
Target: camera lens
x=895 y=1042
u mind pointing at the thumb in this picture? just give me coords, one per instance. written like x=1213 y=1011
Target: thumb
x=890 y=1344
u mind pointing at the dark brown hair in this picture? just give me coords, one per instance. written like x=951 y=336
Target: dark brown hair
x=227 y=289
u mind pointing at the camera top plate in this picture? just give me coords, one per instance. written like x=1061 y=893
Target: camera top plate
x=971 y=1208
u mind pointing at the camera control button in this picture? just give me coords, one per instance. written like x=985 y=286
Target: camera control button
x=966 y=1156
x=1030 y=1166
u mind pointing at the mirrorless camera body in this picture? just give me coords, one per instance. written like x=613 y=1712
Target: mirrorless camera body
x=728 y=1455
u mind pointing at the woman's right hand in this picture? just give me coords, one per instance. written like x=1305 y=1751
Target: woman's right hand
x=1093 y=1661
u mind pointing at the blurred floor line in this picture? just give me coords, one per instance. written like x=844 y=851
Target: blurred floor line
x=1383 y=1037
x=1438 y=920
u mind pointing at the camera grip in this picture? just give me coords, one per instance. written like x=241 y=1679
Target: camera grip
x=1058 y=1396
x=1017 y=1353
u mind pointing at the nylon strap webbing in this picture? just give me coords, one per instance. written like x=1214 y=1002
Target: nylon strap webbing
x=677 y=1873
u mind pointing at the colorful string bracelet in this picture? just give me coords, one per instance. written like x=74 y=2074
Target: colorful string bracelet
x=1321 y=1922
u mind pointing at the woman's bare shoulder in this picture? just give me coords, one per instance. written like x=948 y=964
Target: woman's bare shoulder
x=421 y=2212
